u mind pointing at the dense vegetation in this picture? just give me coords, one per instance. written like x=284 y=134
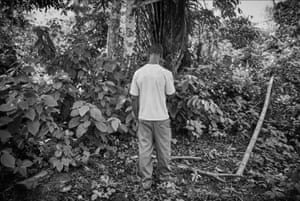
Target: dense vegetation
x=64 y=100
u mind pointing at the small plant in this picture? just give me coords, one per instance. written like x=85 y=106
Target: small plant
x=104 y=189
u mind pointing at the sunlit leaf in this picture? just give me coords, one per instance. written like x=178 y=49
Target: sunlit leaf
x=77 y=104
x=96 y=114
x=115 y=123
x=81 y=129
x=59 y=165
x=83 y=110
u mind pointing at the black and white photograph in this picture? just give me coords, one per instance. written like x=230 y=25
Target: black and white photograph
x=149 y=100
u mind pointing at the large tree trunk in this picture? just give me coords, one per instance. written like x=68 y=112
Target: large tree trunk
x=113 y=33
x=129 y=27
x=164 y=22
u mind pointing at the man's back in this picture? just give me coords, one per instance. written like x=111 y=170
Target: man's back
x=152 y=83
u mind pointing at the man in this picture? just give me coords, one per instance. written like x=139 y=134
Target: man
x=150 y=86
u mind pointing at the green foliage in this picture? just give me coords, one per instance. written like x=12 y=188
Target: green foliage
x=104 y=189
x=227 y=7
x=287 y=13
x=239 y=31
x=27 y=117
x=31 y=4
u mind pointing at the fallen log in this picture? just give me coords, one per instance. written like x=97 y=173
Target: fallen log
x=259 y=124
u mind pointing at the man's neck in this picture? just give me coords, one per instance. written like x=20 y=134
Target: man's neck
x=154 y=59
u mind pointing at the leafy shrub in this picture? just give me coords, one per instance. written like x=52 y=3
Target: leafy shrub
x=26 y=118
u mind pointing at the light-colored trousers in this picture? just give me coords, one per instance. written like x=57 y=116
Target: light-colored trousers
x=154 y=134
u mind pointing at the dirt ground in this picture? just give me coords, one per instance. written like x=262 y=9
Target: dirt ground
x=113 y=175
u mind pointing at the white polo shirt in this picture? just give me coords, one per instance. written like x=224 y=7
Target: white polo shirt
x=152 y=83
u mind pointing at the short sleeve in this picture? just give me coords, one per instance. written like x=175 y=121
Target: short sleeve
x=170 y=89
x=134 y=89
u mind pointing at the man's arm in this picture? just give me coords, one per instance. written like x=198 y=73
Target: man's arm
x=170 y=88
x=135 y=106
x=134 y=92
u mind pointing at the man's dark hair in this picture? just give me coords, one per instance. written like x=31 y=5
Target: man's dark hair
x=156 y=49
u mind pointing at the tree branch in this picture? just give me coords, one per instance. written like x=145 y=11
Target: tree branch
x=211 y=174
x=257 y=130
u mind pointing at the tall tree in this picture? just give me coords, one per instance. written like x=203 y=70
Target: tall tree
x=113 y=33
x=171 y=22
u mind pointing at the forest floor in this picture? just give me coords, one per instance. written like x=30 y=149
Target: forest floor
x=113 y=175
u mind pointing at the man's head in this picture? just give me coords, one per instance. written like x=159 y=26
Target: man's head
x=155 y=53
x=156 y=49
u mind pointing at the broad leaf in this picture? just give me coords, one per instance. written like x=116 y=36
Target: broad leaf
x=123 y=128
x=86 y=124
x=83 y=110
x=22 y=171
x=49 y=101
x=59 y=165
x=110 y=66
x=5 y=121
x=74 y=122
x=74 y=113
x=66 y=161
x=80 y=130
x=33 y=126
x=27 y=163
x=8 y=160
x=101 y=126
x=30 y=114
x=115 y=123
x=23 y=105
x=28 y=69
x=57 y=85
x=4 y=136
x=96 y=114
x=77 y=104
x=7 y=107
x=121 y=101
x=58 y=153
x=30 y=94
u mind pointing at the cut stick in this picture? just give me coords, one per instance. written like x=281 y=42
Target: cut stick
x=257 y=130
x=214 y=175
x=186 y=157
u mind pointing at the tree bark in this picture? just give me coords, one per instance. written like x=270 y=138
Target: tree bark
x=113 y=32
